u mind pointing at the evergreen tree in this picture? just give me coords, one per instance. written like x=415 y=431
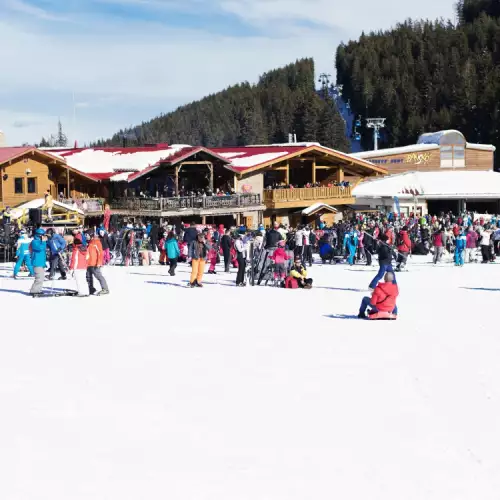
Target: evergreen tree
x=425 y=76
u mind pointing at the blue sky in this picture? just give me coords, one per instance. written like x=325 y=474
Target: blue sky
x=130 y=60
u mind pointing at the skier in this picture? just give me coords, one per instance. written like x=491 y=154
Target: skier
x=351 y=245
x=198 y=253
x=94 y=264
x=79 y=266
x=383 y=298
x=172 y=251
x=39 y=261
x=225 y=244
x=56 y=244
x=404 y=247
x=460 y=244
x=239 y=246
x=23 y=254
x=385 y=256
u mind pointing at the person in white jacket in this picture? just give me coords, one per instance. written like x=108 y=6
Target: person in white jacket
x=299 y=242
x=241 y=256
x=307 y=251
x=485 y=245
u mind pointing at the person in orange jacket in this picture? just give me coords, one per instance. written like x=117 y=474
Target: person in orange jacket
x=79 y=266
x=95 y=261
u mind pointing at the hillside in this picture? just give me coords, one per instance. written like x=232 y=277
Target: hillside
x=283 y=101
x=426 y=76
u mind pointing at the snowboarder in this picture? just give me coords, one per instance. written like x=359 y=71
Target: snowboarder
x=385 y=256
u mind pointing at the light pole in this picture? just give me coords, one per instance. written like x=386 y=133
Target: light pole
x=376 y=124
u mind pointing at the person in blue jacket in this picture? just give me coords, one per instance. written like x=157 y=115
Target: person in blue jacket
x=172 y=251
x=56 y=244
x=39 y=260
x=23 y=254
x=351 y=245
x=460 y=244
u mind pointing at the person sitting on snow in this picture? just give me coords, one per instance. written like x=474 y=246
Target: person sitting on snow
x=298 y=276
x=383 y=298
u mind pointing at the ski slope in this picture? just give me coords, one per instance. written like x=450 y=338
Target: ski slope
x=162 y=392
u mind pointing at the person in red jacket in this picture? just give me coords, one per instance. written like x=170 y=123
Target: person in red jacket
x=383 y=298
x=404 y=248
x=280 y=257
x=78 y=265
x=95 y=256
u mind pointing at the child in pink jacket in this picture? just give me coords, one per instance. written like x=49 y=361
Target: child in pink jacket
x=280 y=257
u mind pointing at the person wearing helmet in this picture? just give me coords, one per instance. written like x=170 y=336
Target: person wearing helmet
x=23 y=254
x=39 y=260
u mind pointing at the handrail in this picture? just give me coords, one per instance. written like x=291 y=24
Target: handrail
x=306 y=194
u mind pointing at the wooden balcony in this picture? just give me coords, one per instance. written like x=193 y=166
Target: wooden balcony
x=189 y=205
x=303 y=197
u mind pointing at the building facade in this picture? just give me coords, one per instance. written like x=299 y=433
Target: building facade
x=445 y=150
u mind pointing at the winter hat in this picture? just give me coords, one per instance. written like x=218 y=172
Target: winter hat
x=276 y=224
x=40 y=231
x=77 y=239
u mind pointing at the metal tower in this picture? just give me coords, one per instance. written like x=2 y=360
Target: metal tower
x=376 y=124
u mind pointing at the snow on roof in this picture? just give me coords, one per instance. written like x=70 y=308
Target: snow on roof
x=317 y=206
x=441 y=137
x=243 y=158
x=395 y=151
x=108 y=160
x=432 y=185
x=38 y=203
x=481 y=147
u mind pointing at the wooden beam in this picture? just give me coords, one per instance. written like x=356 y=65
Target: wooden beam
x=314 y=171
x=340 y=175
x=196 y=163
x=287 y=173
x=68 y=194
x=177 y=181
x=211 y=168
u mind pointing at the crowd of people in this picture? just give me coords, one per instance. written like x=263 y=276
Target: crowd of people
x=277 y=254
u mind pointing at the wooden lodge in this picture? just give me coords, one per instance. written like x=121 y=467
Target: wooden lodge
x=27 y=173
x=445 y=150
x=245 y=185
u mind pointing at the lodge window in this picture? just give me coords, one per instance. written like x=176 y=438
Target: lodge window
x=32 y=185
x=453 y=156
x=19 y=185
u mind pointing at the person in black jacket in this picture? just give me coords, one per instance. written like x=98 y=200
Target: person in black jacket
x=190 y=234
x=385 y=256
x=272 y=237
x=153 y=236
x=225 y=244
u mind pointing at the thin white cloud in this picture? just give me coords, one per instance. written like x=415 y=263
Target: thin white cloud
x=26 y=8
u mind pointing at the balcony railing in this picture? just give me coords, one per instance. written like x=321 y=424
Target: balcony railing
x=306 y=194
x=183 y=203
x=86 y=204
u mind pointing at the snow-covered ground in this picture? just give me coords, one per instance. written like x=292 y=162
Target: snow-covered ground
x=162 y=392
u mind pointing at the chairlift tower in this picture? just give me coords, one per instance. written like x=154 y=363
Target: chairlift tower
x=376 y=124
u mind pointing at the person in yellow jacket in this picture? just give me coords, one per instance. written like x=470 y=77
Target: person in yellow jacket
x=299 y=273
x=49 y=204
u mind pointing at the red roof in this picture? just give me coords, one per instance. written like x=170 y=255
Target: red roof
x=7 y=154
x=102 y=177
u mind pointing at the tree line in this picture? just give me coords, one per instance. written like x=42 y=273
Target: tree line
x=427 y=76
x=284 y=101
